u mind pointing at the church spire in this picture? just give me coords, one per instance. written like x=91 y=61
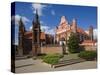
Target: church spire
x=36 y=23
x=37 y=14
x=36 y=33
x=63 y=20
x=21 y=37
x=91 y=33
x=36 y=17
x=21 y=25
x=20 y=22
x=74 y=22
x=74 y=25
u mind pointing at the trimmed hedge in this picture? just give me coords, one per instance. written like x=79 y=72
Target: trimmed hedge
x=52 y=58
x=88 y=55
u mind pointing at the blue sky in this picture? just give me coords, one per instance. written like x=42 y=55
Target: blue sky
x=50 y=14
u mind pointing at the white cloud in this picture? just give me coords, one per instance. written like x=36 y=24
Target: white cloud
x=95 y=33
x=46 y=29
x=16 y=18
x=41 y=22
x=30 y=28
x=24 y=19
x=51 y=31
x=39 y=7
x=52 y=12
x=43 y=28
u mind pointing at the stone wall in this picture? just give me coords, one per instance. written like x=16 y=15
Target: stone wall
x=58 y=49
x=51 y=50
x=90 y=48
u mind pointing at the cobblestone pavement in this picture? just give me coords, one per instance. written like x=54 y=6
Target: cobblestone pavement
x=30 y=65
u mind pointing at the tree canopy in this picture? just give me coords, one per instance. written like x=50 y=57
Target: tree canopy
x=73 y=43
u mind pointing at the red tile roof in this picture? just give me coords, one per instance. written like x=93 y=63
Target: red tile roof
x=43 y=36
x=28 y=35
x=88 y=42
x=80 y=30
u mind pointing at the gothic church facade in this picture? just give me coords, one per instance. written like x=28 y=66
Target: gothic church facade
x=64 y=29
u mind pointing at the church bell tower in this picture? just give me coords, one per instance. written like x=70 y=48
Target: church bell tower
x=91 y=33
x=74 y=26
x=36 y=43
x=21 y=38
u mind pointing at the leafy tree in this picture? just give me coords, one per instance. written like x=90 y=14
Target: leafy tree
x=73 y=43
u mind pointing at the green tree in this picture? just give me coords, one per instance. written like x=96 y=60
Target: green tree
x=73 y=43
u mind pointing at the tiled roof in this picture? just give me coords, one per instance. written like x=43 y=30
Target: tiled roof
x=28 y=35
x=88 y=42
x=43 y=35
x=80 y=30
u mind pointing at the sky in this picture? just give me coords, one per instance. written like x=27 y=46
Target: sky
x=50 y=15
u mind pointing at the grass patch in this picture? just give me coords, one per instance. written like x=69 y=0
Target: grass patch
x=70 y=56
x=52 y=58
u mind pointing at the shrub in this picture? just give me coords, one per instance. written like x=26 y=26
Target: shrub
x=52 y=58
x=88 y=55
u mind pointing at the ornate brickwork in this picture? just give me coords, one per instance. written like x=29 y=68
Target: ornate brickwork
x=64 y=30
x=36 y=43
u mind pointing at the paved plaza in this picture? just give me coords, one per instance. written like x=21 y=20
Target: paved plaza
x=30 y=65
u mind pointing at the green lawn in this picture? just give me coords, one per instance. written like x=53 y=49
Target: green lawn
x=70 y=56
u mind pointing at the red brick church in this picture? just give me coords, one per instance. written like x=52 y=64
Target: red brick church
x=31 y=41
x=65 y=28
